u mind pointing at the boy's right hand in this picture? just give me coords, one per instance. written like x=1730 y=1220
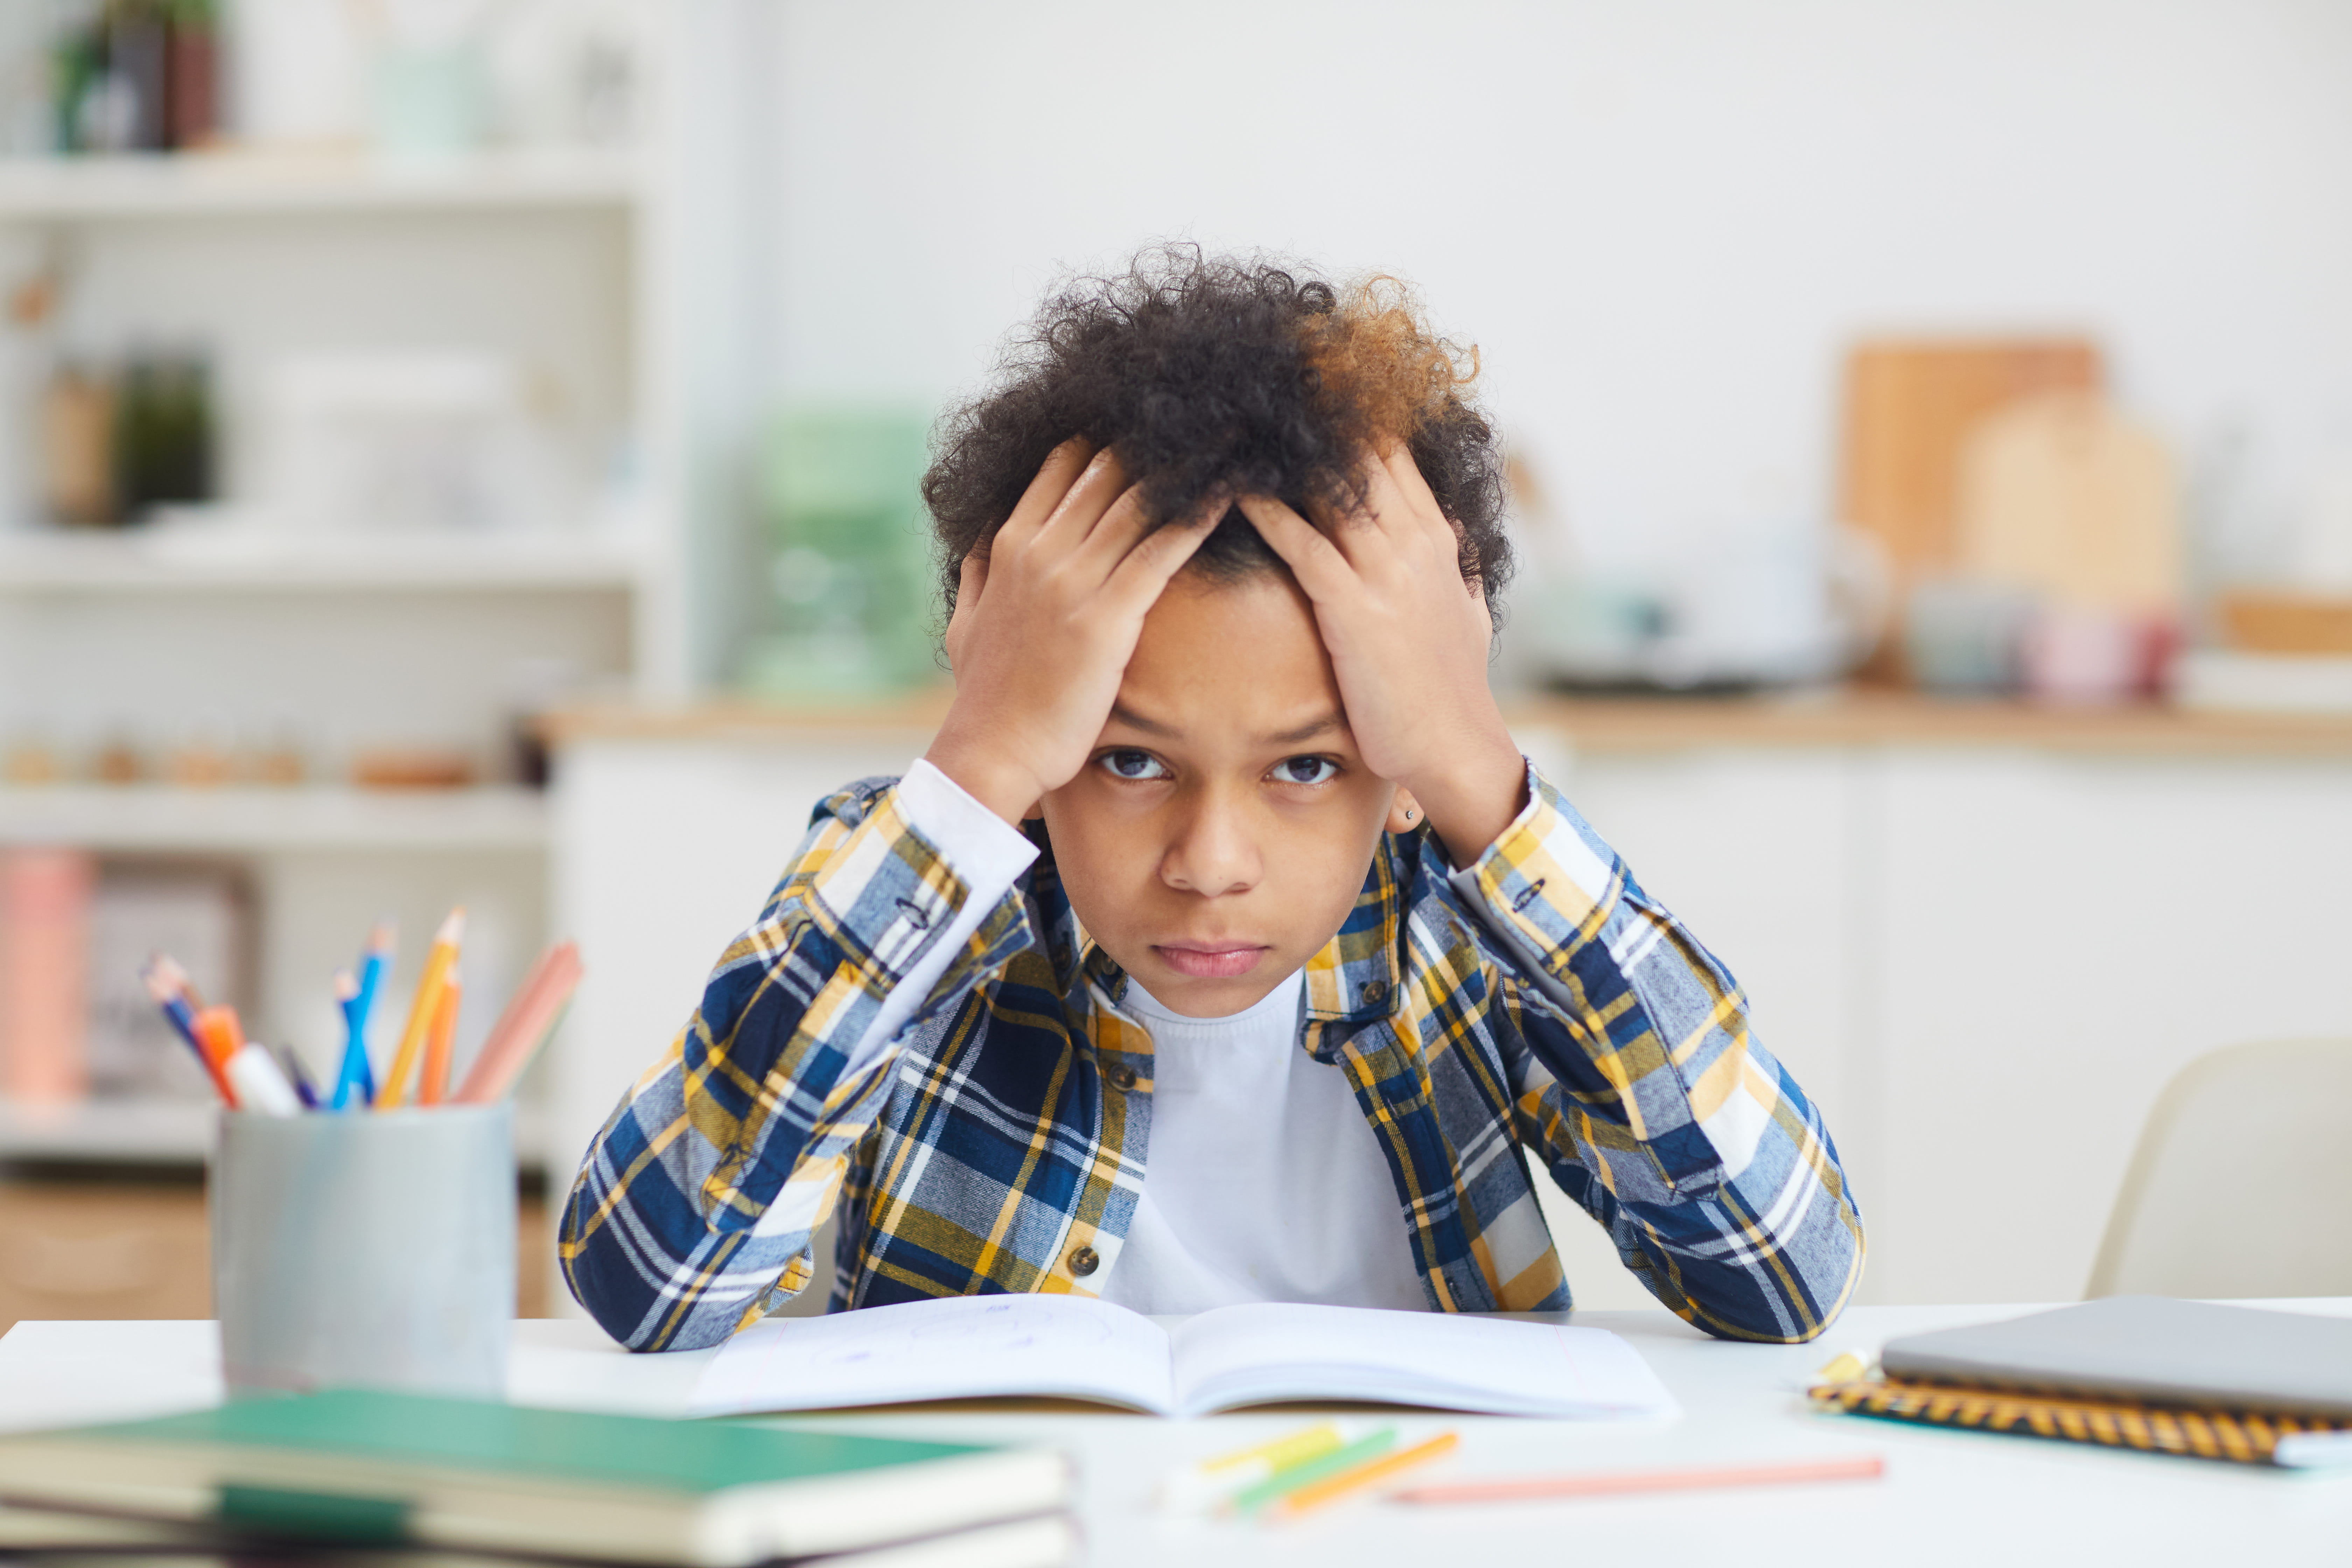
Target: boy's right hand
x=1045 y=624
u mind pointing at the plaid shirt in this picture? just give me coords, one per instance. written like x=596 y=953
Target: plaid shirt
x=1536 y=1003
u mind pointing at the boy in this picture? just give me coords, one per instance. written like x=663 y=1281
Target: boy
x=1222 y=947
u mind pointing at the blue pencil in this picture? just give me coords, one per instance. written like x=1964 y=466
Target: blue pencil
x=358 y=997
x=168 y=984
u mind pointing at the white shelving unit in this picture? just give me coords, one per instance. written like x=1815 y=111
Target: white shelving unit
x=130 y=819
x=576 y=261
x=248 y=183
x=198 y=561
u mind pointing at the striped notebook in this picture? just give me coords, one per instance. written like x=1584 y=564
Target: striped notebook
x=2246 y=1437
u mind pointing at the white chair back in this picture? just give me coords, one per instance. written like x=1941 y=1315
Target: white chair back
x=2241 y=1184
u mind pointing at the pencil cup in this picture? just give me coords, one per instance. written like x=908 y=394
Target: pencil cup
x=366 y=1251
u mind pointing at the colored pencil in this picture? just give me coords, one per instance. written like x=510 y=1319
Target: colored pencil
x=1249 y=1499
x=1615 y=1483
x=1331 y=1489
x=433 y=1083
x=393 y=1090
x=168 y=984
x=1196 y=1486
x=356 y=1079
x=531 y=1017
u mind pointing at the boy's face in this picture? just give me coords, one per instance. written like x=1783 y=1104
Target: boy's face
x=1221 y=829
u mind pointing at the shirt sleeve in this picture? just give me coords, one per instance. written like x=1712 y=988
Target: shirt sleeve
x=692 y=1212
x=987 y=852
x=1652 y=1102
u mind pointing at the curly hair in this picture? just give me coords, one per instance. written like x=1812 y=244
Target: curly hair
x=1216 y=373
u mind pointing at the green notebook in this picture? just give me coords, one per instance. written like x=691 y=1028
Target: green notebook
x=384 y=1468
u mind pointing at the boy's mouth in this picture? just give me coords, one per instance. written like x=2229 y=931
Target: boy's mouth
x=1212 y=961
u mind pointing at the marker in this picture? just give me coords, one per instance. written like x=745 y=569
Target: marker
x=260 y=1083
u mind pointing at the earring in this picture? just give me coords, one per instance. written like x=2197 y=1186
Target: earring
x=1410 y=814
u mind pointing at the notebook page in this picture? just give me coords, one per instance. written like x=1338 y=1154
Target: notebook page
x=1452 y=1360
x=960 y=1347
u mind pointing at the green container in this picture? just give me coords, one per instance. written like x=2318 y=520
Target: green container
x=851 y=607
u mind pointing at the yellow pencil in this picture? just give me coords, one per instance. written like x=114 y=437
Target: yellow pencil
x=1316 y=1494
x=393 y=1090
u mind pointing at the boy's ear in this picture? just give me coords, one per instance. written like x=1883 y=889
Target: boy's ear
x=1404 y=812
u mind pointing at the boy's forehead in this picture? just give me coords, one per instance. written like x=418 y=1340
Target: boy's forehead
x=1240 y=657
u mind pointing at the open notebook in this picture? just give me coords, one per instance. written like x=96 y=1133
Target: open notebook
x=1074 y=1347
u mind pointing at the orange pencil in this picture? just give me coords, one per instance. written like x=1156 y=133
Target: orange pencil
x=516 y=1037
x=433 y=1085
x=1331 y=1489
x=438 y=960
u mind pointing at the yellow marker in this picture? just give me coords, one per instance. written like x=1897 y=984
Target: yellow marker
x=1331 y=1489
x=421 y=1009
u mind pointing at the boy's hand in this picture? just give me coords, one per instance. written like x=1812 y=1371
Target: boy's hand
x=1408 y=644
x=1044 y=625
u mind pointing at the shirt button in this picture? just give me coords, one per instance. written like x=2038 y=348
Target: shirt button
x=1373 y=990
x=1083 y=1260
x=1122 y=1078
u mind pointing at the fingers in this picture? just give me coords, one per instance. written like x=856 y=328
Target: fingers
x=1062 y=467
x=1321 y=567
x=972 y=579
x=1159 y=555
x=1094 y=491
x=1115 y=533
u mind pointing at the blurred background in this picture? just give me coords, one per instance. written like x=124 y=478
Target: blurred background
x=465 y=450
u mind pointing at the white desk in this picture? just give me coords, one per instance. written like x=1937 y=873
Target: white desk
x=1948 y=1498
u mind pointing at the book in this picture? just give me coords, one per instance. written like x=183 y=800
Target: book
x=2149 y=1349
x=1076 y=1347
x=2135 y=1371
x=2247 y=1436
x=363 y=1470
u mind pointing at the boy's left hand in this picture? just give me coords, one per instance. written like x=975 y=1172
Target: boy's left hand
x=1408 y=641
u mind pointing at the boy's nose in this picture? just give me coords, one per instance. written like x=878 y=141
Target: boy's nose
x=1212 y=853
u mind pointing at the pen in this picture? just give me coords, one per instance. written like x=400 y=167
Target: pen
x=261 y=1083
x=221 y=1037
x=394 y=1089
x=300 y=1077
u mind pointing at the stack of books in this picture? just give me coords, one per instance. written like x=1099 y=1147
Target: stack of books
x=382 y=1476
x=2129 y=1371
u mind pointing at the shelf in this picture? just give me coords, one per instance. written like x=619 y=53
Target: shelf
x=256 y=183
x=168 y=819
x=146 y=1131
x=197 y=559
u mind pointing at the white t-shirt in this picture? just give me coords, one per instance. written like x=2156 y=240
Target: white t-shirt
x=1263 y=1182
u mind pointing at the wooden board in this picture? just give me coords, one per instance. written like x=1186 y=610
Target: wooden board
x=2063 y=496
x=1910 y=406
x=2286 y=623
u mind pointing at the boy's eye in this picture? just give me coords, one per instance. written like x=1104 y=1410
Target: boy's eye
x=1305 y=770
x=1133 y=765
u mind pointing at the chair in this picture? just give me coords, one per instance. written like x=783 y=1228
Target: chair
x=2241 y=1184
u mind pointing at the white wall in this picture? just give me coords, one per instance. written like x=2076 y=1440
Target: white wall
x=1661 y=219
